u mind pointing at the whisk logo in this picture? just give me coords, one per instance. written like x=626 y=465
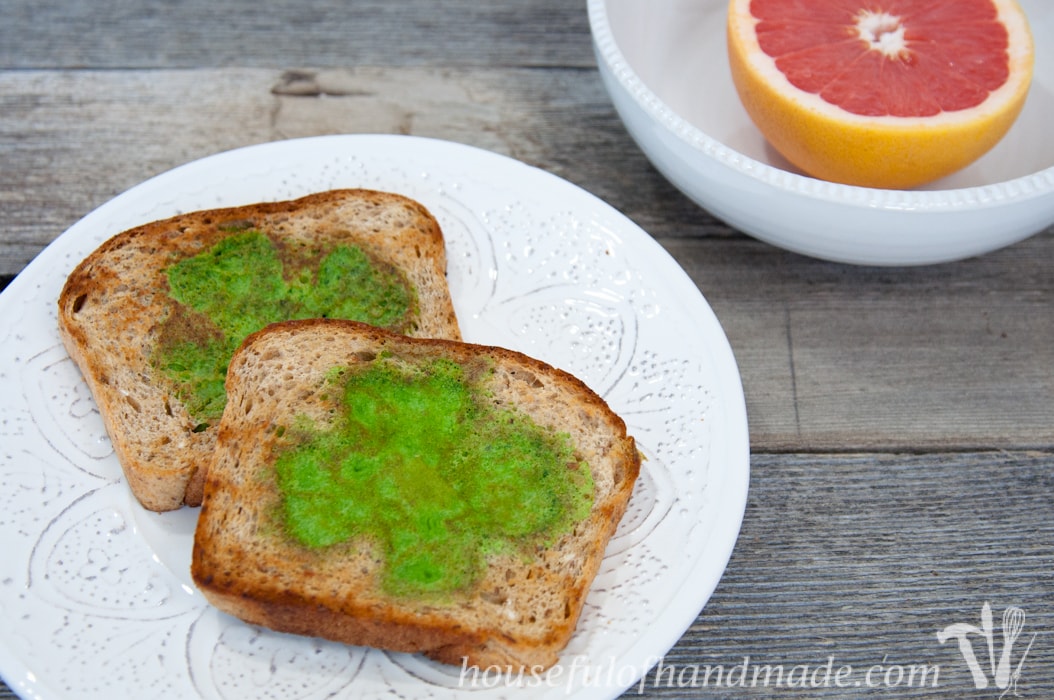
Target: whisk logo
x=1004 y=672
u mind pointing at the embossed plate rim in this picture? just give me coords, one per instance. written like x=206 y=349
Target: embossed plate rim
x=445 y=176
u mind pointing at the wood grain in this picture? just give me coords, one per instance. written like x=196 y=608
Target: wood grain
x=866 y=557
x=123 y=34
x=952 y=357
x=94 y=134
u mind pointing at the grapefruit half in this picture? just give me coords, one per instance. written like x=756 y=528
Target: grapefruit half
x=880 y=93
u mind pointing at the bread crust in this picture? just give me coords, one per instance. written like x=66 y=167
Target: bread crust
x=521 y=615
x=111 y=306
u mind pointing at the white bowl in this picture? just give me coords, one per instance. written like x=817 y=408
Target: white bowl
x=664 y=64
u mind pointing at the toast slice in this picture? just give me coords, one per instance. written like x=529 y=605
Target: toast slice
x=417 y=495
x=152 y=316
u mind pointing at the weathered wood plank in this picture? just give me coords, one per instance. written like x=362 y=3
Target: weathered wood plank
x=195 y=33
x=951 y=357
x=71 y=141
x=90 y=135
x=866 y=557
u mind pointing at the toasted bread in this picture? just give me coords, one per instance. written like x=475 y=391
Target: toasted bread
x=520 y=606
x=121 y=322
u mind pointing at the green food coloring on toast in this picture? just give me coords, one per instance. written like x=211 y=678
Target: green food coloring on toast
x=247 y=281
x=422 y=464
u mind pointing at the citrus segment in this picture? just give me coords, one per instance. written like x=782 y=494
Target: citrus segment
x=880 y=93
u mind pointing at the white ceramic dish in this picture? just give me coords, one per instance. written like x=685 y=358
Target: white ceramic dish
x=96 y=599
x=665 y=67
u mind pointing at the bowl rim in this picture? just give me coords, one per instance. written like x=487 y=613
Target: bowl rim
x=1025 y=187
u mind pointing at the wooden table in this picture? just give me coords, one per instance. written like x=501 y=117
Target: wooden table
x=901 y=419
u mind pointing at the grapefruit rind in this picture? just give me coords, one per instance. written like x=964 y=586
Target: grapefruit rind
x=830 y=143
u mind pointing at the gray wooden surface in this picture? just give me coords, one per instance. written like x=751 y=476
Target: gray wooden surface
x=901 y=419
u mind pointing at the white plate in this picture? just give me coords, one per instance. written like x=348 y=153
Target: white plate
x=665 y=65
x=95 y=594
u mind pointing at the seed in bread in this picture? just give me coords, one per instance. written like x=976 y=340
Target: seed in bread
x=417 y=495
x=153 y=315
